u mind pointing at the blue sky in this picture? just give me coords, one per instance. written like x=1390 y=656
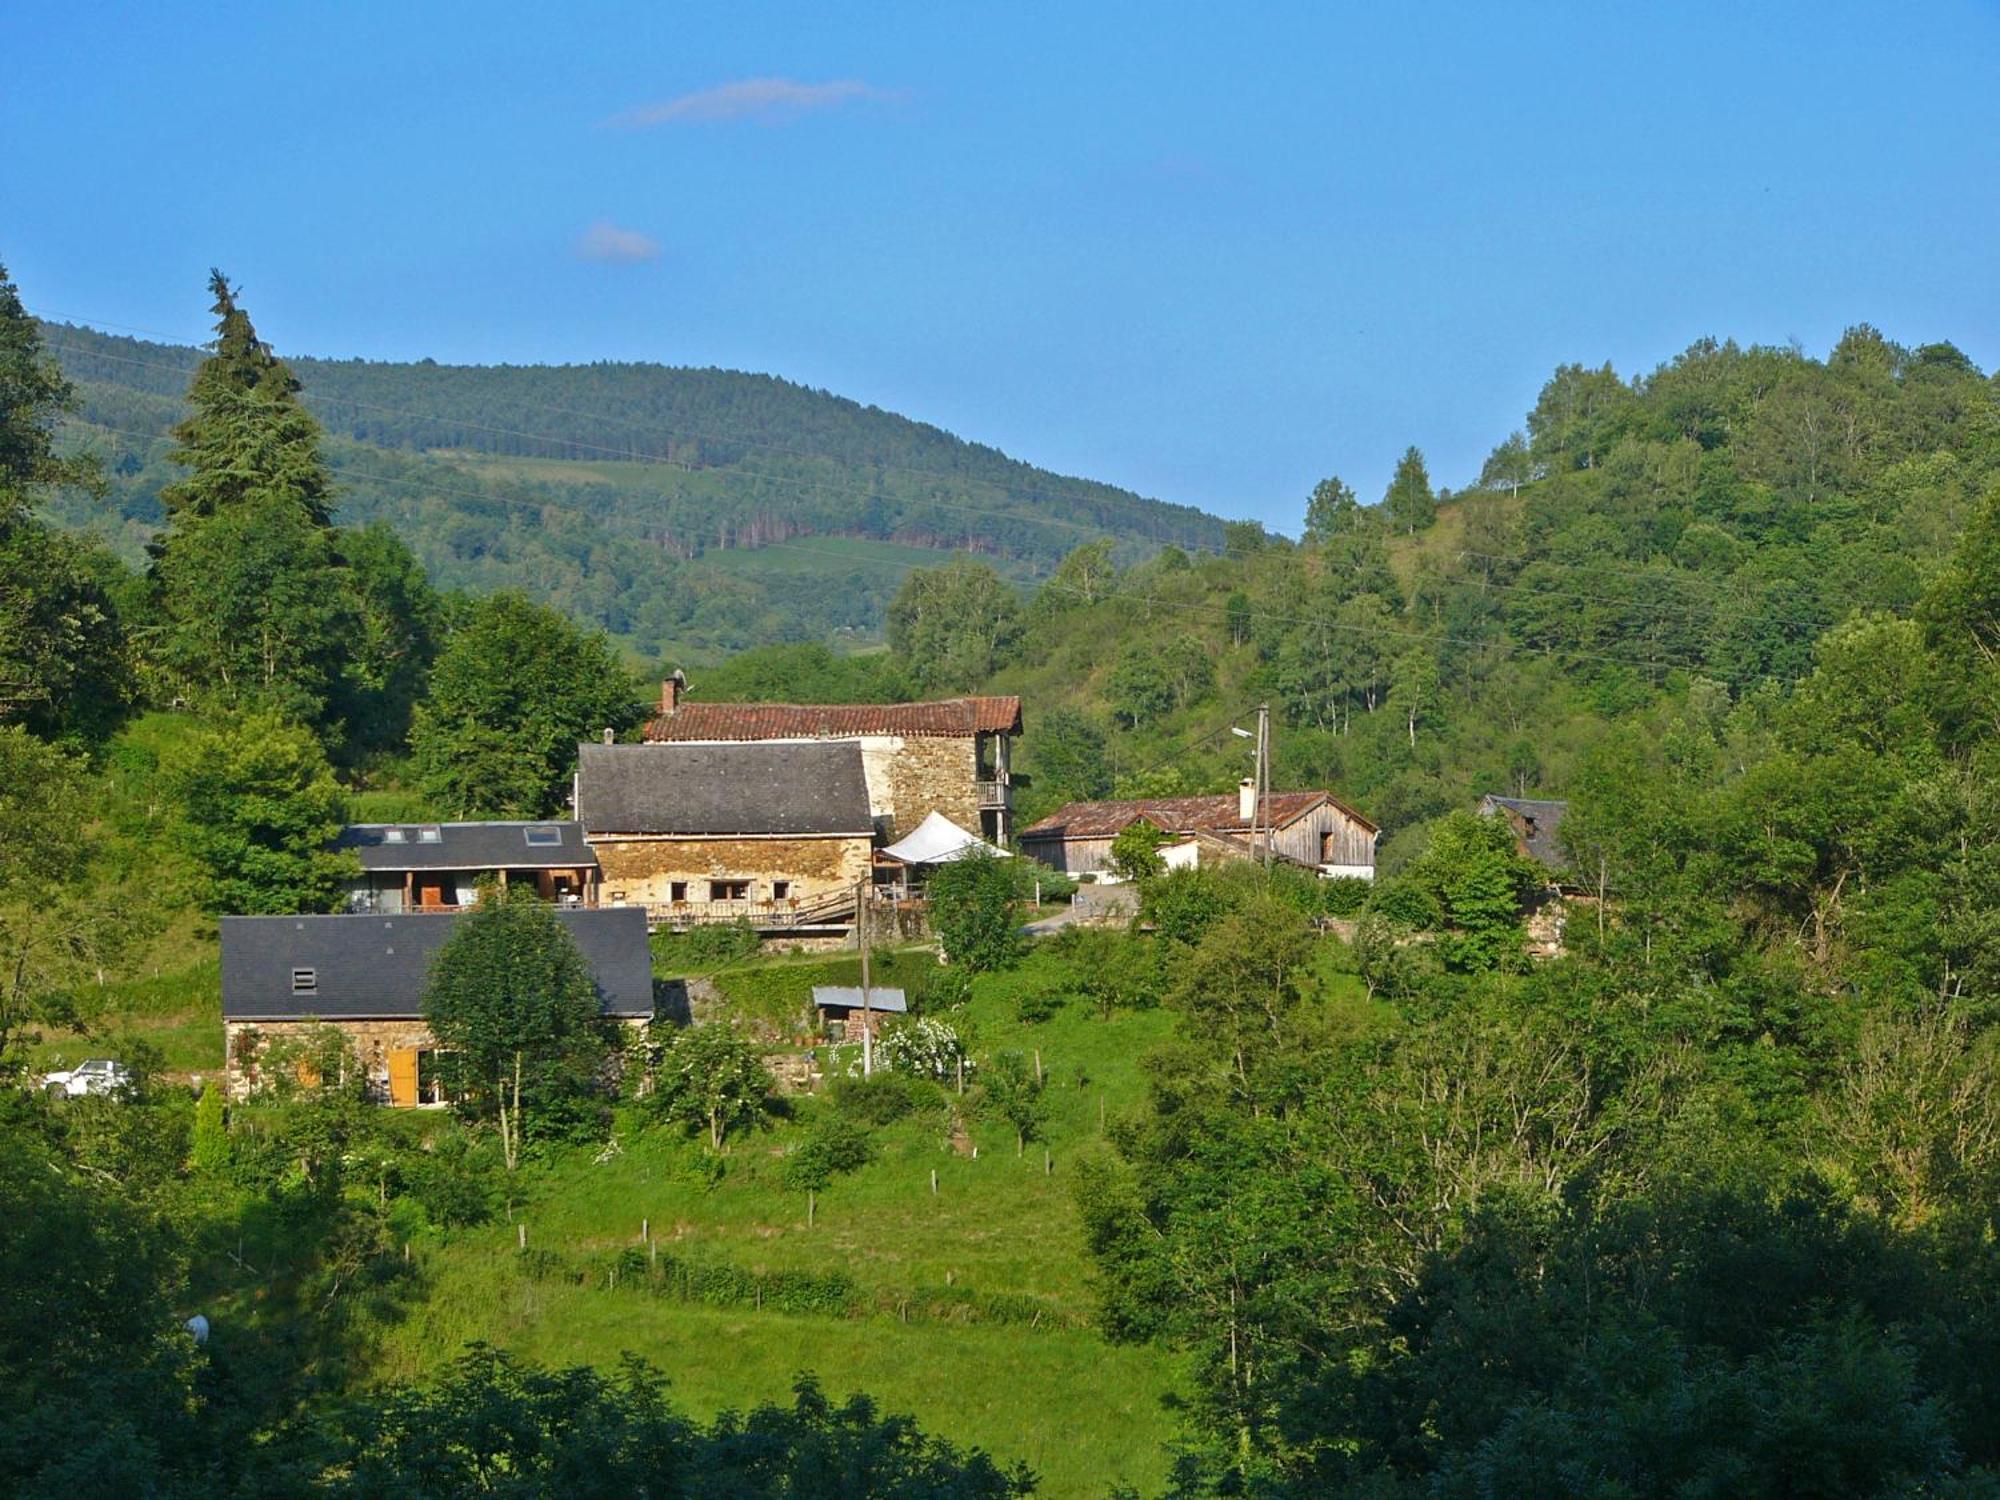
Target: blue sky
x=1210 y=252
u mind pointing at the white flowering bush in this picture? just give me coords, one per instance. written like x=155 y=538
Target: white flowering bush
x=927 y=1047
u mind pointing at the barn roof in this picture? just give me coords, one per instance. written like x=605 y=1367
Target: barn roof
x=366 y=967
x=1535 y=824
x=468 y=846
x=954 y=718
x=1218 y=814
x=695 y=790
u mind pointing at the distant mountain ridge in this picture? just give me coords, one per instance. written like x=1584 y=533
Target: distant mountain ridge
x=630 y=494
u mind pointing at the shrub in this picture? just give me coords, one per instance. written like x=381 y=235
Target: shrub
x=879 y=1099
x=927 y=1048
x=706 y=946
x=972 y=909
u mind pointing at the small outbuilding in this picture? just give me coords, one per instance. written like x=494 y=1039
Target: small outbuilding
x=841 y=1012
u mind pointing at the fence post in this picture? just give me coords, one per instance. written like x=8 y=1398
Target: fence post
x=521 y=1233
x=933 y=1182
x=1038 y=1067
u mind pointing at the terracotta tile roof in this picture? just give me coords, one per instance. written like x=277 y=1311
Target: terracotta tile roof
x=1219 y=814
x=958 y=718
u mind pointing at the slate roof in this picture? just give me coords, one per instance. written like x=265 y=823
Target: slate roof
x=848 y=997
x=801 y=790
x=1218 y=814
x=949 y=718
x=367 y=967
x=467 y=846
x=1535 y=824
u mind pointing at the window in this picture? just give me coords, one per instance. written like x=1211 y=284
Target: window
x=305 y=981
x=677 y=891
x=780 y=890
x=430 y=835
x=394 y=836
x=729 y=890
x=543 y=838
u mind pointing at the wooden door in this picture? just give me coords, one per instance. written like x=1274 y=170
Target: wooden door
x=403 y=1076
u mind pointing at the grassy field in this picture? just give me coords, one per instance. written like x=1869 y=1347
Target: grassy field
x=971 y=1307
x=968 y=1304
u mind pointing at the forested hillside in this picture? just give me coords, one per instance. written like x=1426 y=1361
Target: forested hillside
x=1291 y=1188
x=685 y=511
x=1684 y=538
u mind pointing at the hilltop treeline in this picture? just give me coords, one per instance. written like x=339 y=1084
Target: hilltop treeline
x=1687 y=537
x=605 y=487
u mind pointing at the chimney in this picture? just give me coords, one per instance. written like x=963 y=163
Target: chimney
x=1246 y=801
x=610 y=735
x=671 y=689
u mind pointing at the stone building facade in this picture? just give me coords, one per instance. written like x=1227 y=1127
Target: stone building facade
x=769 y=833
x=951 y=756
x=1314 y=829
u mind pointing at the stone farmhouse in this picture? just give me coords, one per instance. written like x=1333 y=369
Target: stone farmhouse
x=1312 y=829
x=776 y=833
x=365 y=975
x=408 y=867
x=951 y=756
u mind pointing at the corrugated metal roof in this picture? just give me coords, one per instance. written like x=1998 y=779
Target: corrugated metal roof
x=1217 y=814
x=364 y=967
x=945 y=718
x=805 y=790
x=468 y=846
x=848 y=997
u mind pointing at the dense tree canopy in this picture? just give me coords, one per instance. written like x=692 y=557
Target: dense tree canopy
x=516 y=689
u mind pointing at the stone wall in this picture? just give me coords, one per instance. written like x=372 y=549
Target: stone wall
x=245 y=1044
x=935 y=775
x=642 y=870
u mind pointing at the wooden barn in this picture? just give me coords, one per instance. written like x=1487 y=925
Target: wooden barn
x=1313 y=829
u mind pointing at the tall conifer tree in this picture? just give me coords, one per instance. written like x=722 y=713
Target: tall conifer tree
x=1410 y=503
x=252 y=585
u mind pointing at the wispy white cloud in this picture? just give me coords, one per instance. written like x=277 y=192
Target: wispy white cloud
x=605 y=241
x=768 y=101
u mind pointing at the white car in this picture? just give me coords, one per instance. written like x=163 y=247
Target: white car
x=100 y=1075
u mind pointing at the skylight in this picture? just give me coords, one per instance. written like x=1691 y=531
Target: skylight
x=304 y=981
x=430 y=835
x=394 y=836
x=543 y=837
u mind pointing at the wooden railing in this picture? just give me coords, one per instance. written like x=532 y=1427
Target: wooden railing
x=994 y=793
x=834 y=910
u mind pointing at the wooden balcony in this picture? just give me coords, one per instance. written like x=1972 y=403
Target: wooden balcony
x=995 y=794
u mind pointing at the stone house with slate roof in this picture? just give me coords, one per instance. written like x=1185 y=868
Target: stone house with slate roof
x=1314 y=829
x=440 y=866
x=365 y=974
x=950 y=756
x=778 y=834
x=1536 y=826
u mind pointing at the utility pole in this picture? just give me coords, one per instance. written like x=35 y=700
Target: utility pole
x=861 y=937
x=1263 y=821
